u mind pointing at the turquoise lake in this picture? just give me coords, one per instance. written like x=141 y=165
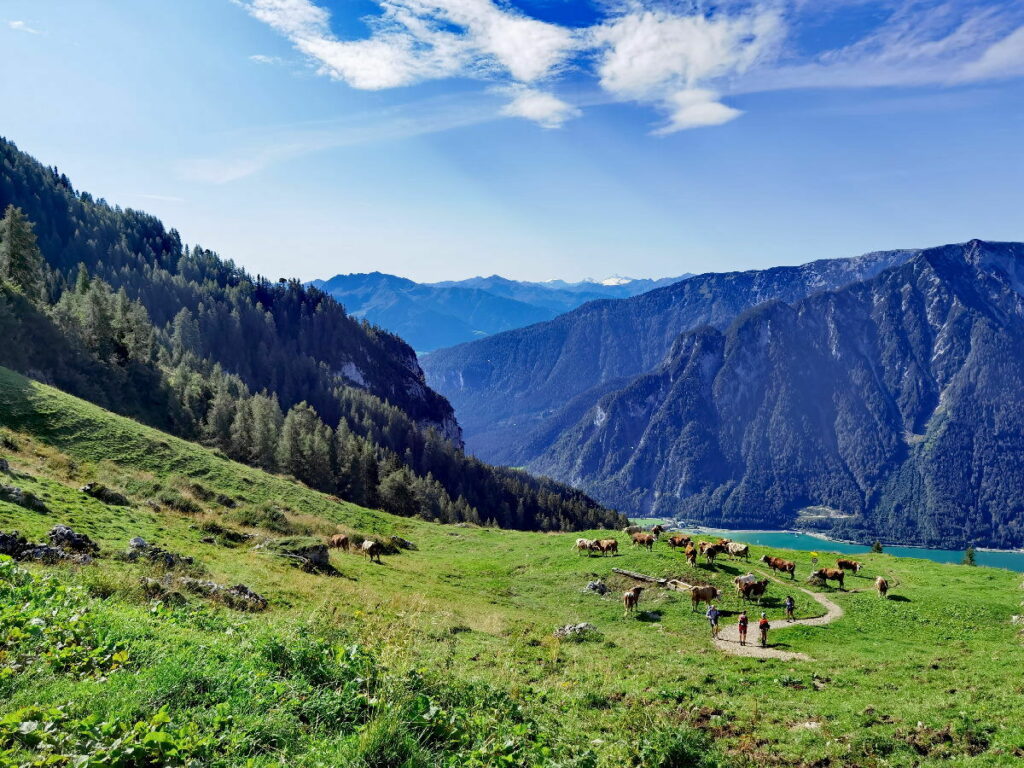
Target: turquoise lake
x=1013 y=561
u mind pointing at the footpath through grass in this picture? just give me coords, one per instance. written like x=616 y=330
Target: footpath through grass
x=445 y=655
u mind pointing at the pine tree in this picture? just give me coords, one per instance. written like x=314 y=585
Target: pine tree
x=21 y=262
x=876 y=547
x=969 y=557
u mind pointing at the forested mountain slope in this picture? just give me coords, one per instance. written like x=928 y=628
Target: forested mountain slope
x=508 y=389
x=280 y=336
x=896 y=402
x=110 y=306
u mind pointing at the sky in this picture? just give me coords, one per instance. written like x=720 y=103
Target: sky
x=441 y=139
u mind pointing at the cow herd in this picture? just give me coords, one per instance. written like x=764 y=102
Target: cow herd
x=748 y=587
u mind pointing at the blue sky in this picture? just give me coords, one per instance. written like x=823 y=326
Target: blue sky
x=440 y=139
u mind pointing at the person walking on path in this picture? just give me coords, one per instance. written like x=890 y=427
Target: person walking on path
x=713 y=614
x=742 y=625
x=763 y=626
x=790 y=605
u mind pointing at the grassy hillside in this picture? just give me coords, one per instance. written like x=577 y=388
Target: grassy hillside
x=445 y=655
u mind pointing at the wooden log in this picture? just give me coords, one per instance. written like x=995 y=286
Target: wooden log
x=639 y=576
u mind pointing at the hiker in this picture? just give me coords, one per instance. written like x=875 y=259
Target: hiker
x=763 y=626
x=713 y=614
x=742 y=624
x=790 y=605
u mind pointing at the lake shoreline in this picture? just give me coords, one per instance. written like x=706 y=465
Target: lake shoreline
x=810 y=541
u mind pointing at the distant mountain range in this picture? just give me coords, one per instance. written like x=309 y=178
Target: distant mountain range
x=434 y=315
x=515 y=391
x=885 y=401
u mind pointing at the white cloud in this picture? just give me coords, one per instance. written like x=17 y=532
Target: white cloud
x=676 y=56
x=417 y=40
x=261 y=58
x=1004 y=58
x=540 y=107
x=695 y=108
x=646 y=51
x=665 y=58
x=21 y=26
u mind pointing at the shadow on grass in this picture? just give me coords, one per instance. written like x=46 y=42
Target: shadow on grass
x=899 y=599
x=649 y=616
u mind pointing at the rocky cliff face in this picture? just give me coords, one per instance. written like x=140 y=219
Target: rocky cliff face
x=894 y=404
x=510 y=390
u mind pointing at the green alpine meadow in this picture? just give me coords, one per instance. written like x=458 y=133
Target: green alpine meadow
x=445 y=654
x=511 y=384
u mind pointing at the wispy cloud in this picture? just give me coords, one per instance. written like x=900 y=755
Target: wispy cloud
x=22 y=26
x=246 y=155
x=687 y=62
x=261 y=58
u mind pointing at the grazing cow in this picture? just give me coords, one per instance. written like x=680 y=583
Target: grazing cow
x=753 y=589
x=338 y=541
x=778 y=564
x=585 y=545
x=738 y=550
x=882 y=586
x=644 y=540
x=849 y=565
x=723 y=542
x=658 y=530
x=700 y=595
x=748 y=579
x=677 y=541
x=607 y=546
x=691 y=554
x=711 y=551
x=372 y=549
x=630 y=598
x=631 y=529
x=830 y=574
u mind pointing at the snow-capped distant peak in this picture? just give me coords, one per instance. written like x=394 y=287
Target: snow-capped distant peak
x=616 y=280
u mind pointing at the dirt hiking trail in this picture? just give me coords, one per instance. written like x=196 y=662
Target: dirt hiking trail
x=729 y=635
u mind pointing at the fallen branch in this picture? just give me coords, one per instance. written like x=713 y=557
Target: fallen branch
x=640 y=576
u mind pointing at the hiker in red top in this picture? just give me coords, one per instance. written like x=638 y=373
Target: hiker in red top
x=763 y=626
x=742 y=625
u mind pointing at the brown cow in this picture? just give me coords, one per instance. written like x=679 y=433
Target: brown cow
x=338 y=541
x=607 y=546
x=700 y=595
x=691 y=554
x=677 y=541
x=711 y=551
x=849 y=565
x=830 y=574
x=882 y=586
x=723 y=542
x=644 y=540
x=585 y=545
x=658 y=530
x=372 y=548
x=631 y=529
x=630 y=598
x=778 y=564
x=753 y=589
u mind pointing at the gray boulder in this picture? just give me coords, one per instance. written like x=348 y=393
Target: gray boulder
x=574 y=630
x=63 y=537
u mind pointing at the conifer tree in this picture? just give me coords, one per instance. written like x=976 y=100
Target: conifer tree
x=21 y=262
